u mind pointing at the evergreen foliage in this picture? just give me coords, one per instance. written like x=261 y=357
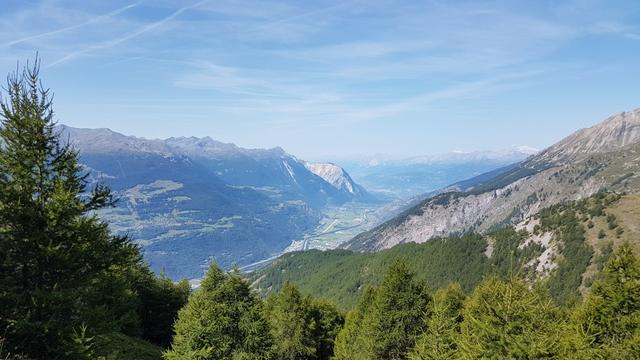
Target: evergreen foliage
x=395 y=317
x=508 y=320
x=328 y=323
x=117 y=346
x=61 y=272
x=301 y=327
x=350 y=342
x=160 y=301
x=439 y=341
x=222 y=320
x=608 y=323
x=341 y=276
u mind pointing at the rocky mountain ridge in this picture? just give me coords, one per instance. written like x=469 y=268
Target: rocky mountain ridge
x=190 y=201
x=232 y=164
x=605 y=156
x=612 y=134
x=338 y=177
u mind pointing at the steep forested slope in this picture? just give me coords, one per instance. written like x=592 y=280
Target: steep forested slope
x=562 y=244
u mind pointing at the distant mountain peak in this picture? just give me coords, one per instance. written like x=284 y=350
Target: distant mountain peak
x=333 y=174
x=237 y=166
x=337 y=177
x=105 y=140
x=614 y=133
x=507 y=155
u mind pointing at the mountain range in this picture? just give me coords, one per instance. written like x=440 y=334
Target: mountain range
x=556 y=216
x=603 y=157
x=393 y=177
x=189 y=201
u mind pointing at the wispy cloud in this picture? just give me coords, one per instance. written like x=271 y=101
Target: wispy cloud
x=616 y=28
x=73 y=27
x=120 y=40
x=282 y=63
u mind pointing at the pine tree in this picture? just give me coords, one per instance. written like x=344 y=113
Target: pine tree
x=222 y=320
x=443 y=326
x=55 y=255
x=609 y=320
x=509 y=320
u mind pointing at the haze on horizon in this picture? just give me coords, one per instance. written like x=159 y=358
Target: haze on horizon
x=326 y=78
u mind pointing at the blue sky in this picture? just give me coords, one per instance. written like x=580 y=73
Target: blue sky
x=333 y=78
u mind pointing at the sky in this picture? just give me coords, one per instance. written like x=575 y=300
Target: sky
x=333 y=78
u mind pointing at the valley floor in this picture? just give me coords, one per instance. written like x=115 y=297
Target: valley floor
x=338 y=225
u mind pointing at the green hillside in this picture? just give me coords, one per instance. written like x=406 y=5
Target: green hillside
x=342 y=276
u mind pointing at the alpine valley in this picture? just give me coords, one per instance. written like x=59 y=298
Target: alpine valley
x=557 y=215
x=190 y=201
x=319 y=180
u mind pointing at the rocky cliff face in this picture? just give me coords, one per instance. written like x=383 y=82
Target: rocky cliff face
x=338 y=178
x=606 y=156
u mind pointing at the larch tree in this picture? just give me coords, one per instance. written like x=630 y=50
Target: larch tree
x=608 y=322
x=506 y=319
x=302 y=327
x=391 y=320
x=439 y=341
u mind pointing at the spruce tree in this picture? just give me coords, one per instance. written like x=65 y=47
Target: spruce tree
x=55 y=254
x=222 y=320
x=160 y=299
x=443 y=326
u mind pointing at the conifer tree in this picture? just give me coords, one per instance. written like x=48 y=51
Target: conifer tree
x=160 y=299
x=609 y=320
x=443 y=326
x=392 y=322
x=328 y=323
x=222 y=320
x=508 y=320
x=351 y=343
x=302 y=327
x=55 y=254
x=396 y=317
x=292 y=327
